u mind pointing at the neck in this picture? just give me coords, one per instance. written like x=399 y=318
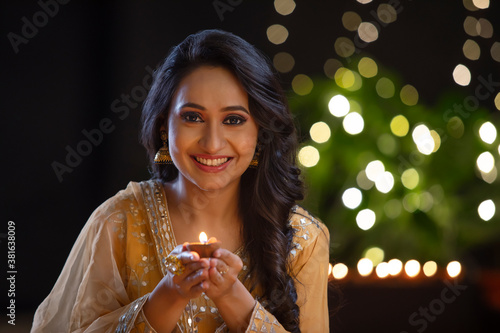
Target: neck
x=200 y=208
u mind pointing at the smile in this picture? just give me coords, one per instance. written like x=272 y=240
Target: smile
x=215 y=162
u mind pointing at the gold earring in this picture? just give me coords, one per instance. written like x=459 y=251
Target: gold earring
x=163 y=155
x=255 y=161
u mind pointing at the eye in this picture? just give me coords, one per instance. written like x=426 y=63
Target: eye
x=191 y=117
x=234 y=120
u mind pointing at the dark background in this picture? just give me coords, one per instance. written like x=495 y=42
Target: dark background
x=89 y=54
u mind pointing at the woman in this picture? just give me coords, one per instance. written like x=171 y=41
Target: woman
x=217 y=126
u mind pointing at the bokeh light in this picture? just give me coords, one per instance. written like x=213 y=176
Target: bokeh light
x=320 y=132
x=471 y=50
x=409 y=95
x=382 y=270
x=488 y=132
x=455 y=127
x=387 y=144
x=277 y=34
x=339 y=271
x=344 y=47
x=374 y=169
x=364 y=1
x=363 y=181
x=495 y=54
x=302 y=84
x=386 y=13
x=411 y=202
x=486 y=210
x=410 y=178
x=353 y=123
x=330 y=67
x=351 y=21
x=375 y=254
x=367 y=32
x=484 y=27
x=339 y=106
x=352 y=197
x=412 y=268
x=429 y=268
x=481 y=4
x=365 y=267
x=345 y=78
x=453 y=268
x=461 y=75
x=393 y=208
x=308 y=156
x=437 y=140
x=385 y=88
x=395 y=266
x=284 y=7
x=400 y=126
x=470 y=26
x=423 y=139
x=497 y=101
x=489 y=177
x=365 y=219
x=485 y=162
x=283 y=62
x=367 y=67
x=385 y=182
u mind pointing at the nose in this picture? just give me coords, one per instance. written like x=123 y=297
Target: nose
x=213 y=139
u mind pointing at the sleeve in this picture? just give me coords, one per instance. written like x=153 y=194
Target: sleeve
x=90 y=294
x=310 y=260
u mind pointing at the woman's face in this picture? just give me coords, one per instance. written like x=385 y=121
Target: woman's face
x=212 y=135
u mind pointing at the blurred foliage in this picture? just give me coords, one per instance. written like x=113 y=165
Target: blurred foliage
x=447 y=230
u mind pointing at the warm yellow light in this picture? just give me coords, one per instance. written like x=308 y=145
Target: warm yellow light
x=351 y=21
x=340 y=271
x=395 y=266
x=409 y=95
x=437 y=140
x=365 y=267
x=320 y=132
x=386 y=13
x=339 y=106
x=429 y=268
x=400 y=126
x=353 y=123
x=330 y=267
x=344 y=47
x=471 y=50
x=283 y=62
x=302 y=84
x=367 y=32
x=203 y=237
x=364 y=1
x=486 y=210
x=410 y=178
x=485 y=162
x=385 y=88
x=374 y=169
x=345 y=78
x=423 y=139
x=352 y=198
x=365 y=219
x=375 y=254
x=277 y=34
x=488 y=132
x=308 y=156
x=461 y=75
x=382 y=270
x=412 y=268
x=481 y=4
x=284 y=7
x=454 y=268
x=367 y=67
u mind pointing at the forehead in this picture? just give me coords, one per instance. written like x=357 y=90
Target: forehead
x=211 y=85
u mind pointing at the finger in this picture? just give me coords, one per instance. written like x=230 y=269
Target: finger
x=187 y=257
x=229 y=258
x=220 y=265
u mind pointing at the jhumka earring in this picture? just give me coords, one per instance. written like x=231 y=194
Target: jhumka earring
x=163 y=155
x=255 y=161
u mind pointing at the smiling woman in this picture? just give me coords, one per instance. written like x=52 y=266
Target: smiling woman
x=218 y=123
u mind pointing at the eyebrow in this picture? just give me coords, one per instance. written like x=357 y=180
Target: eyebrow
x=226 y=109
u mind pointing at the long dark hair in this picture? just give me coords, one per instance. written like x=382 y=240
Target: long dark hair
x=267 y=193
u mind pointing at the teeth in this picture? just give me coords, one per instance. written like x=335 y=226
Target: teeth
x=212 y=162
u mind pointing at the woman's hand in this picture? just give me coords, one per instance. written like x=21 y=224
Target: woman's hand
x=167 y=301
x=223 y=273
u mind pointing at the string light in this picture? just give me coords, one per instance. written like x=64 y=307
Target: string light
x=461 y=75
x=284 y=7
x=308 y=156
x=395 y=266
x=488 y=132
x=412 y=268
x=486 y=210
x=365 y=267
x=353 y=123
x=302 y=84
x=374 y=169
x=429 y=268
x=485 y=162
x=382 y=270
x=352 y=198
x=365 y=219
x=339 y=106
x=277 y=34
x=454 y=268
x=340 y=271
x=320 y=132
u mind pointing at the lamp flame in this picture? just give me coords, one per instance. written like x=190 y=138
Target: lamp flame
x=203 y=237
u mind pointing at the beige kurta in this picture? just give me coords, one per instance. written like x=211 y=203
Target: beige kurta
x=119 y=258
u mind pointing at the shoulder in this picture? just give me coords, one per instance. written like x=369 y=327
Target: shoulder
x=308 y=231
